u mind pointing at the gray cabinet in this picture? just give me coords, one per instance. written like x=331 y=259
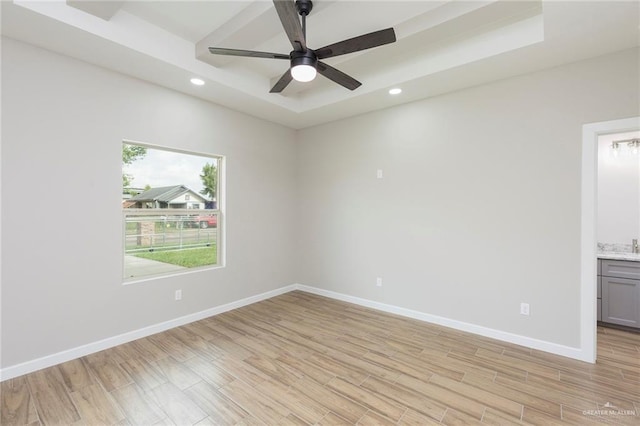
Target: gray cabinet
x=620 y=290
x=620 y=269
x=599 y=311
x=599 y=306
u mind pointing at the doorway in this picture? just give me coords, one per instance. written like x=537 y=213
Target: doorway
x=589 y=195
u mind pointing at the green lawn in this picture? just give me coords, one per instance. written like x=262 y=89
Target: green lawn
x=189 y=258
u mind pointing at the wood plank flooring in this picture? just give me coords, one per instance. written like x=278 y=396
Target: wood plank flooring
x=302 y=359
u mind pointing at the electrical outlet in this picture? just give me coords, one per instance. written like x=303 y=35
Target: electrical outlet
x=178 y=294
x=524 y=309
x=379 y=282
x=379 y=173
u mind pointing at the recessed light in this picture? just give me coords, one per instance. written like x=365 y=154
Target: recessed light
x=197 y=81
x=395 y=91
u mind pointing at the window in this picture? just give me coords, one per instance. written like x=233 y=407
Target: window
x=171 y=211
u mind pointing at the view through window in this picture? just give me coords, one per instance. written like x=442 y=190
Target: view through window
x=171 y=211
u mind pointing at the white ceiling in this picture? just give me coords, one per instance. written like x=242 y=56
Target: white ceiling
x=442 y=46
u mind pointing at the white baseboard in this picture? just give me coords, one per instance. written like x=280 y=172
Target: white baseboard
x=566 y=351
x=70 y=354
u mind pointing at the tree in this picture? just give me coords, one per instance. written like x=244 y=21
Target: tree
x=209 y=178
x=131 y=153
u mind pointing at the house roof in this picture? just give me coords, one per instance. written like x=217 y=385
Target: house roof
x=163 y=194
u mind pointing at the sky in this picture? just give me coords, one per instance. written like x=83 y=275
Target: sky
x=167 y=168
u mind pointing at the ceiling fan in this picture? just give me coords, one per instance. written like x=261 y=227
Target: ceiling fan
x=305 y=62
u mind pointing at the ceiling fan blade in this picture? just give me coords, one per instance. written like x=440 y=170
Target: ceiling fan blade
x=289 y=17
x=338 y=76
x=247 y=53
x=282 y=83
x=366 y=41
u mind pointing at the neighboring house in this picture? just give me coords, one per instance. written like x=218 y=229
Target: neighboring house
x=168 y=197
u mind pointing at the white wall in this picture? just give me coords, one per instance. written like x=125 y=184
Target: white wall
x=479 y=208
x=63 y=122
x=618 y=191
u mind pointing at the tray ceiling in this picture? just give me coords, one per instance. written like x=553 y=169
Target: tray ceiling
x=442 y=46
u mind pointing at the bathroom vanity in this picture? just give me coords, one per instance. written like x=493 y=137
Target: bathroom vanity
x=619 y=289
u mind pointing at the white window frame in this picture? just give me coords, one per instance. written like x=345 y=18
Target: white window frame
x=218 y=211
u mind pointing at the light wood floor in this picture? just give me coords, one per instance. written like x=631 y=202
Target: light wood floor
x=304 y=359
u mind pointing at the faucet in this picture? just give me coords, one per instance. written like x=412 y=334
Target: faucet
x=634 y=246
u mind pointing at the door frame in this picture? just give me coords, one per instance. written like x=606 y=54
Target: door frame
x=589 y=207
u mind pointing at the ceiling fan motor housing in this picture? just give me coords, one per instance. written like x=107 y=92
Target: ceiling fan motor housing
x=304 y=58
x=304 y=7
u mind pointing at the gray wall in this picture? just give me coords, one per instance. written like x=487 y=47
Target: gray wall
x=479 y=208
x=62 y=126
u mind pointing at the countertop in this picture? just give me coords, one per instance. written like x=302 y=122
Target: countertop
x=614 y=255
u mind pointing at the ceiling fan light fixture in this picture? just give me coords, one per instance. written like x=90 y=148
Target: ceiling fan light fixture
x=303 y=66
x=303 y=73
